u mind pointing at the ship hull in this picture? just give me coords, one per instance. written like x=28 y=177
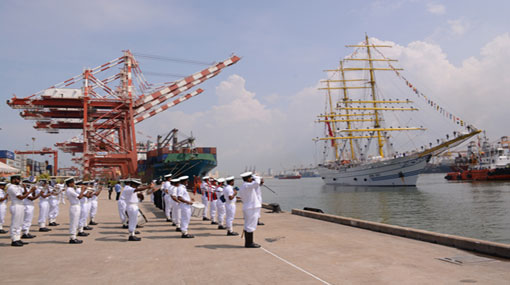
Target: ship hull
x=480 y=175
x=402 y=171
x=178 y=164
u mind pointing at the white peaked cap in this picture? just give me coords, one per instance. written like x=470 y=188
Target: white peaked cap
x=69 y=179
x=175 y=180
x=137 y=181
x=205 y=177
x=168 y=175
x=221 y=180
x=229 y=178
x=183 y=178
x=246 y=174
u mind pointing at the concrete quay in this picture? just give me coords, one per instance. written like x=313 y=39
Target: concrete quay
x=295 y=250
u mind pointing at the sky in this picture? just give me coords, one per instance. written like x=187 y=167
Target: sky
x=259 y=112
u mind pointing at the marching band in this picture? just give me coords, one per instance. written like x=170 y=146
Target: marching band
x=218 y=197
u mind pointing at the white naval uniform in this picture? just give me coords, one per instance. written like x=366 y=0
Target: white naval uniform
x=176 y=209
x=121 y=203
x=220 y=206
x=54 y=200
x=132 y=207
x=84 y=211
x=93 y=205
x=185 y=208
x=167 y=199
x=28 y=214
x=74 y=210
x=44 y=206
x=249 y=193
x=3 y=208
x=230 y=206
x=212 y=203
x=205 y=199
x=17 y=210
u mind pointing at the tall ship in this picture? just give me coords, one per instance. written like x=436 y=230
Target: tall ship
x=483 y=161
x=360 y=132
x=171 y=155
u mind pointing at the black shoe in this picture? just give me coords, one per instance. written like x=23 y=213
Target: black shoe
x=232 y=234
x=259 y=223
x=76 y=241
x=93 y=223
x=24 y=242
x=214 y=223
x=134 y=238
x=205 y=219
x=220 y=227
x=3 y=231
x=28 y=236
x=137 y=232
x=168 y=220
x=173 y=225
x=178 y=229
x=187 y=236
x=248 y=240
x=139 y=227
x=125 y=226
x=83 y=234
x=44 y=230
x=17 y=243
x=87 y=228
x=53 y=224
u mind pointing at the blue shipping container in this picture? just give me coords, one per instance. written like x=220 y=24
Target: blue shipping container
x=6 y=154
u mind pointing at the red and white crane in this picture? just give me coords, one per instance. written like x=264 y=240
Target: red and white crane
x=106 y=108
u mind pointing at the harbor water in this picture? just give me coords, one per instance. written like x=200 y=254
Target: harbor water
x=472 y=209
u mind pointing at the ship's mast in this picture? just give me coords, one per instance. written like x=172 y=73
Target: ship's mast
x=333 y=123
x=377 y=123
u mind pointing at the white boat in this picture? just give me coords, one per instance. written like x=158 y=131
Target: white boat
x=352 y=124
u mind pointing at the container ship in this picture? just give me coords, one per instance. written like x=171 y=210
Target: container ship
x=169 y=155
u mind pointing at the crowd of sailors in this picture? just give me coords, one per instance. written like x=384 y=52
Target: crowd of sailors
x=218 y=204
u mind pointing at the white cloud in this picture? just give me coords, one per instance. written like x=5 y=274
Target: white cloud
x=436 y=9
x=458 y=27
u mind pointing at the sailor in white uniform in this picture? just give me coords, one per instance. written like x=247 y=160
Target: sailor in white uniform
x=3 y=205
x=131 y=198
x=121 y=203
x=29 y=209
x=94 y=203
x=176 y=209
x=165 y=187
x=230 y=204
x=44 y=191
x=54 y=201
x=17 y=195
x=251 y=206
x=84 y=208
x=220 y=203
x=185 y=204
x=205 y=198
x=74 y=196
x=212 y=200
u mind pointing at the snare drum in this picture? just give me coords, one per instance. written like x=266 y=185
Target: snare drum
x=197 y=209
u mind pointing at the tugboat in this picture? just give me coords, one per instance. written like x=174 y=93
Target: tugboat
x=485 y=161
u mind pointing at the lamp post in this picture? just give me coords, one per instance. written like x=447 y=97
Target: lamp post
x=33 y=160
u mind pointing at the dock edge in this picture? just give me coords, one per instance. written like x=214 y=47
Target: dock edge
x=470 y=244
